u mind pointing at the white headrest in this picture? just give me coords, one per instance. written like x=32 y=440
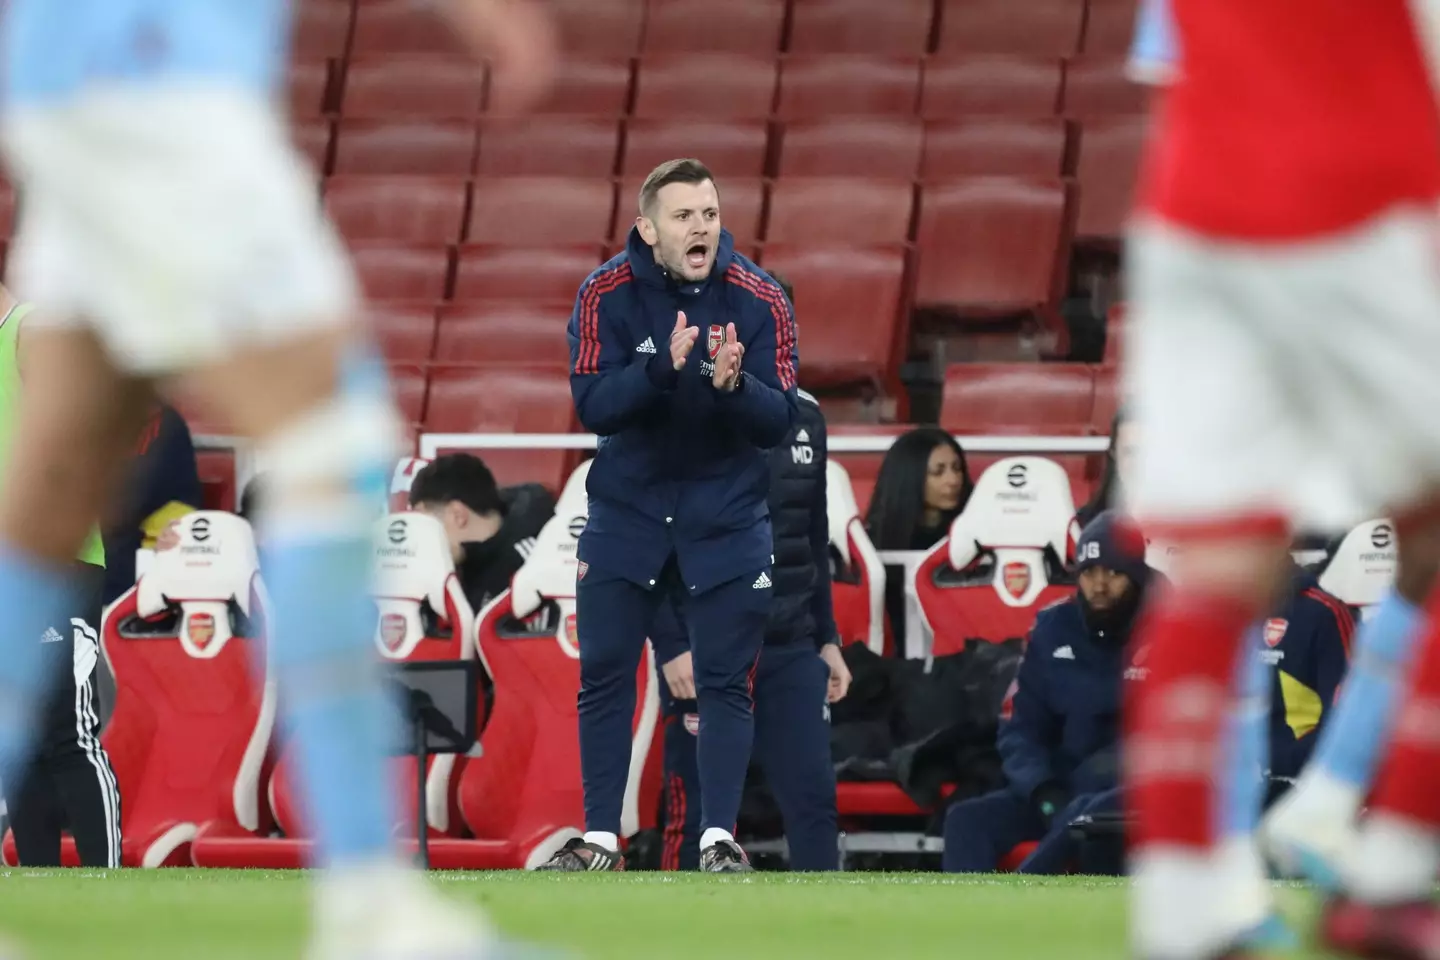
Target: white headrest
x=412 y=564
x=402 y=479
x=213 y=563
x=1363 y=566
x=840 y=506
x=573 y=498
x=550 y=570
x=1018 y=502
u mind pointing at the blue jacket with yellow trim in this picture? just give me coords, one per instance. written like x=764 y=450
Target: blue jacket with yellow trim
x=681 y=467
x=1308 y=647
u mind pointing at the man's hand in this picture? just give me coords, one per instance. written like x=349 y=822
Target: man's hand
x=680 y=676
x=682 y=341
x=727 y=361
x=520 y=41
x=839 y=673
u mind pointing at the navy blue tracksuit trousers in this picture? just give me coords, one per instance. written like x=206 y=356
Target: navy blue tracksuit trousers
x=614 y=617
x=979 y=831
x=792 y=744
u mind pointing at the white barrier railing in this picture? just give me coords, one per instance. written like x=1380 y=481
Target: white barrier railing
x=432 y=443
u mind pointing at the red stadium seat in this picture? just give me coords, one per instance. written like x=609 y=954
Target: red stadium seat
x=1109 y=162
x=548 y=147
x=589 y=87
x=741 y=203
x=390 y=271
x=899 y=27
x=822 y=87
x=990 y=243
x=730 y=149
x=710 y=85
x=963 y=86
x=993 y=146
x=523 y=273
x=1098 y=87
x=313 y=138
x=308 y=88
x=321 y=29
x=396 y=209
x=852 y=147
x=425 y=148
x=500 y=399
x=1041 y=27
x=1115 y=335
x=714 y=26
x=815 y=210
x=217 y=478
x=404 y=330
x=1018 y=398
x=537 y=211
x=1107 y=397
x=505 y=332
x=7 y=208
x=402 y=26
x=409 y=387
x=608 y=27
x=1110 y=27
x=854 y=295
x=413 y=88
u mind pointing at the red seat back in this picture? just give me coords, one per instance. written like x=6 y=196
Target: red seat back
x=861 y=26
x=738 y=26
x=825 y=86
x=881 y=147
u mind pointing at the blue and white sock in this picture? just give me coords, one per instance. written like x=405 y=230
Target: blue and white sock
x=1247 y=743
x=35 y=597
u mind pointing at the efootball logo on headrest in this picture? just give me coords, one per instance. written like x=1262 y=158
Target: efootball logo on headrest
x=1017 y=476
x=200 y=529
x=1381 y=536
x=396 y=533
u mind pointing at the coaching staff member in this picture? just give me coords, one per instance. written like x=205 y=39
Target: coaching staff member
x=801 y=671
x=677 y=490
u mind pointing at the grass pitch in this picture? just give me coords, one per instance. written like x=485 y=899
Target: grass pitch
x=229 y=915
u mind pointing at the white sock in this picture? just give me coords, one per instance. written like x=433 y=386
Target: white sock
x=1245 y=899
x=602 y=839
x=713 y=836
x=1322 y=796
x=1394 y=861
x=1174 y=904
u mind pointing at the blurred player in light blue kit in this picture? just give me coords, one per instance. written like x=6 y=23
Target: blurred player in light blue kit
x=174 y=238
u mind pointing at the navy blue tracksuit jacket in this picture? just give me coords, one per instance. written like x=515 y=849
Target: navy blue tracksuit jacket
x=792 y=723
x=677 y=500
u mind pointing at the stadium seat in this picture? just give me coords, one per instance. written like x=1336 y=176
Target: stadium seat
x=1003 y=560
x=188 y=736
x=322 y=28
x=1362 y=568
x=827 y=86
x=813 y=210
x=217 y=478
x=589 y=87
x=1098 y=87
x=507 y=399
x=1107 y=397
x=514 y=332
x=413 y=88
x=409 y=387
x=741 y=204
x=1015 y=86
x=308 y=86
x=313 y=138
x=523 y=799
x=548 y=147
x=397 y=209
x=1110 y=27
x=401 y=26
x=713 y=26
x=537 y=211
x=990 y=243
x=1041 y=27
x=609 y=27
x=729 y=149
x=900 y=27
x=858 y=586
x=395 y=148
x=404 y=330
x=392 y=271
x=523 y=273
x=711 y=85
x=854 y=295
x=993 y=146
x=1115 y=335
x=1018 y=398
x=852 y=147
x=1107 y=168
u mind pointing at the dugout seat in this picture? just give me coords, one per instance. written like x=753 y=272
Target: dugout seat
x=1049 y=27
x=504 y=333
x=883 y=147
x=858 y=585
x=548 y=147
x=412 y=88
x=711 y=26
x=502 y=272
x=1004 y=559
x=1362 y=567
x=401 y=479
x=827 y=86
x=900 y=27
x=990 y=84
x=405 y=149
x=522 y=799
x=1049 y=398
x=714 y=85
x=191 y=726
x=397 y=209
x=729 y=148
x=993 y=147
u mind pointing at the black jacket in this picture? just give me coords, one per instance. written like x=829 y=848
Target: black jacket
x=487 y=566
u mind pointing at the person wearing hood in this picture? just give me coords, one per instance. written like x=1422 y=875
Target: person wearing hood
x=1060 y=725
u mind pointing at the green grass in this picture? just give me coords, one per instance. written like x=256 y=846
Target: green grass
x=220 y=915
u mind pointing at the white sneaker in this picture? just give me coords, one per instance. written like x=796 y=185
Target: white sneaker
x=391 y=913
x=1308 y=838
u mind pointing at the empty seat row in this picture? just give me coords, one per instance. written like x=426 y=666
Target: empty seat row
x=324 y=27
x=734 y=85
x=1028 y=398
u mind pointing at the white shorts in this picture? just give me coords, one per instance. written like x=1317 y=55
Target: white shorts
x=178 y=221
x=1298 y=381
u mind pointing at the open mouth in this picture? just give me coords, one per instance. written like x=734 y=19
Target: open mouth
x=696 y=255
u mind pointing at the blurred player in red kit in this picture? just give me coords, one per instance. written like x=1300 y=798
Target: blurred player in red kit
x=1283 y=353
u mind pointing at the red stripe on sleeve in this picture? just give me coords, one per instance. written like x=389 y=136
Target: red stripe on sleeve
x=785 y=335
x=1343 y=618
x=588 y=359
